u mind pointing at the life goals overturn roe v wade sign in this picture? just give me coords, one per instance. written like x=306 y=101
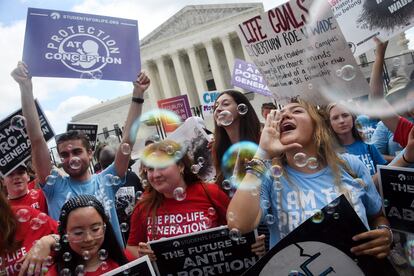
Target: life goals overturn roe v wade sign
x=77 y=45
x=300 y=58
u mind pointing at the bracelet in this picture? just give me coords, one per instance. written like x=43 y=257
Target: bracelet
x=256 y=167
x=405 y=160
x=384 y=226
x=138 y=100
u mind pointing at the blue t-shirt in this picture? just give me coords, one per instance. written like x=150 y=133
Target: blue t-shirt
x=297 y=200
x=383 y=139
x=368 y=126
x=65 y=187
x=368 y=154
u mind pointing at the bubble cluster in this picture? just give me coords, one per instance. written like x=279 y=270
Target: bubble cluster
x=276 y=171
x=242 y=109
x=80 y=270
x=312 y=163
x=265 y=204
x=348 y=72
x=67 y=257
x=18 y=122
x=270 y=219
x=179 y=193
x=225 y=118
x=226 y=184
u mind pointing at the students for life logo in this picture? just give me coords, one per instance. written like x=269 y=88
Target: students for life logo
x=82 y=48
x=401 y=177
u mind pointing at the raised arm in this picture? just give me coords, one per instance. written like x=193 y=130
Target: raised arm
x=376 y=84
x=245 y=204
x=135 y=109
x=40 y=151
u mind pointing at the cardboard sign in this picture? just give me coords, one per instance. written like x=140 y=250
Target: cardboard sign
x=247 y=76
x=209 y=252
x=397 y=191
x=91 y=130
x=141 y=266
x=77 y=45
x=360 y=20
x=321 y=245
x=207 y=99
x=14 y=142
x=300 y=58
x=179 y=105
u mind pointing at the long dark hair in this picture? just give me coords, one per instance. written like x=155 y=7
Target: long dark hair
x=8 y=229
x=110 y=243
x=249 y=130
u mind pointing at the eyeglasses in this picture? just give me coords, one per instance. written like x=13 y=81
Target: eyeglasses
x=80 y=235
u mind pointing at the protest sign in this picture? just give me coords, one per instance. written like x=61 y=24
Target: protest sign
x=311 y=60
x=77 y=45
x=321 y=246
x=207 y=99
x=91 y=130
x=195 y=139
x=397 y=191
x=247 y=76
x=360 y=20
x=14 y=142
x=141 y=266
x=209 y=252
x=179 y=105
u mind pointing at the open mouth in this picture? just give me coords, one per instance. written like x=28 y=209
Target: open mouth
x=287 y=126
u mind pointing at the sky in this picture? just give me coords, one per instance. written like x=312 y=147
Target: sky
x=63 y=98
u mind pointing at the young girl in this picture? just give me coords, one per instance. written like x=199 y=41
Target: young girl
x=173 y=192
x=342 y=123
x=305 y=164
x=88 y=243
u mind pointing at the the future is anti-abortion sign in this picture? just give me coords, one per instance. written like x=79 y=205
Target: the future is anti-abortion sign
x=76 y=45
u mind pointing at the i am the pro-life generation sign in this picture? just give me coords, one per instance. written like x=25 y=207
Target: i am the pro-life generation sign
x=77 y=45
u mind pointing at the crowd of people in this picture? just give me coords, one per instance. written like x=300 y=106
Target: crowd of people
x=73 y=221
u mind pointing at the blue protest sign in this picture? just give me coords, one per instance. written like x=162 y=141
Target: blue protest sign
x=77 y=45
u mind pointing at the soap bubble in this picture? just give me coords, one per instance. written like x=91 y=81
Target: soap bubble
x=125 y=148
x=18 y=122
x=300 y=159
x=318 y=217
x=23 y=215
x=225 y=118
x=242 y=109
x=75 y=163
x=179 y=194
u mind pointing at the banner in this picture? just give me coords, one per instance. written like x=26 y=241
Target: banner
x=321 y=246
x=91 y=130
x=209 y=252
x=141 y=266
x=311 y=60
x=179 y=105
x=14 y=142
x=361 y=20
x=77 y=45
x=247 y=76
x=397 y=191
x=207 y=99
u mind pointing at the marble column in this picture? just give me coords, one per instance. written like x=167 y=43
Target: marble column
x=199 y=80
x=163 y=77
x=214 y=65
x=228 y=50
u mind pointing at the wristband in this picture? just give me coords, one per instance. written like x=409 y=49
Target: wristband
x=384 y=226
x=405 y=160
x=138 y=100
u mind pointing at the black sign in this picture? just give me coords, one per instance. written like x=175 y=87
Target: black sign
x=209 y=252
x=14 y=142
x=397 y=190
x=141 y=267
x=91 y=130
x=321 y=246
